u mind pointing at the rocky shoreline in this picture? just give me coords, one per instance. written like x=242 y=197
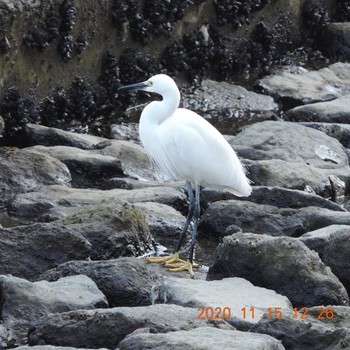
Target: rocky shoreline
x=81 y=205
x=80 y=212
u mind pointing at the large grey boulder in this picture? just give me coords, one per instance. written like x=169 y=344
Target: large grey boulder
x=87 y=168
x=51 y=347
x=23 y=302
x=134 y=159
x=165 y=223
x=202 y=338
x=320 y=327
x=300 y=86
x=272 y=195
x=45 y=136
x=131 y=157
x=227 y=105
x=114 y=228
x=107 y=328
x=293 y=156
x=268 y=219
x=232 y=299
x=332 y=243
x=335 y=111
x=25 y=171
x=124 y=281
x=283 y=264
x=334 y=38
x=56 y=202
x=339 y=131
x=28 y=251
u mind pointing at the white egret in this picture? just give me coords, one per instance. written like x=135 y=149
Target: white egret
x=187 y=147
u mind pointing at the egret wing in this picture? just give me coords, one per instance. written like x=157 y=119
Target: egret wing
x=197 y=152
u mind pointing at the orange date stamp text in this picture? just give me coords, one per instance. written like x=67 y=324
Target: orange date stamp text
x=219 y=313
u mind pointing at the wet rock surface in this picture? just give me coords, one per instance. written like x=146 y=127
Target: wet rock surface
x=76 y=204
x=201 y=338
x=334 y=111
x=279 y=156
x=336 y=130
x=23 y=302
x=283 y=264
x=51 y=347
x=229 y=293
x=268 y=219
x=41 y=247
x=86 y=168
x=124 y=281
x=229 y=106
x=24 y=171
x=114 y=228
x=301 y=86
x=332 y=244
x=115 y=324
x=322 y=327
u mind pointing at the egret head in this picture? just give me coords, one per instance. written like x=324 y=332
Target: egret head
x=161 y=84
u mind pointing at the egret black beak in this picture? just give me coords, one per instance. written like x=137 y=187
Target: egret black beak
x=136 y=86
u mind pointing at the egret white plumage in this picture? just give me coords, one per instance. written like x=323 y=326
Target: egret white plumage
x=187 y=147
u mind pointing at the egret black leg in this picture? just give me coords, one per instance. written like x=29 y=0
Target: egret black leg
x=191 y=208
x=196 y=214
x=173 y=261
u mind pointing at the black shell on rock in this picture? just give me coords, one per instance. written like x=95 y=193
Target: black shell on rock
x=149 y=18
x=235 y=12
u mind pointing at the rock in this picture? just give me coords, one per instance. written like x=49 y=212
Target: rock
x=283 y=264
x=132 y=157
x=42 y=135
x=286 y=141
x=300 y=86
x=341 y=132
x=25 y=171
x=126 y=131
x=332 y=243
x=2 y=125
x=202 y=338
x=223 y=300
x=334 y=38
x=280 y=156
x=281 y=173
x=51 y=347
x=124 y=281
x=268 y=219
x=87 y=168
x=113 y=227
x=324 y=327
x=228 y=105
x=165 y=223
x=7 y=338
x=56 y=202
x=128 y=183
x=28 y=251
x=276 y=196
x=24 y=302
x=106 y=328
x=335 y=111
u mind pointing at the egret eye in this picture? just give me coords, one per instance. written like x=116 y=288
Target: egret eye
x=150 y=83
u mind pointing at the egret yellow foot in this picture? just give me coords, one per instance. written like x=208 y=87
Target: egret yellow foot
x=174 y=262
x=182 y=266
x=170 y=259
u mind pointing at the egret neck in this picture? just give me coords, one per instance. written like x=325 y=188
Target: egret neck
x=155 y=113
